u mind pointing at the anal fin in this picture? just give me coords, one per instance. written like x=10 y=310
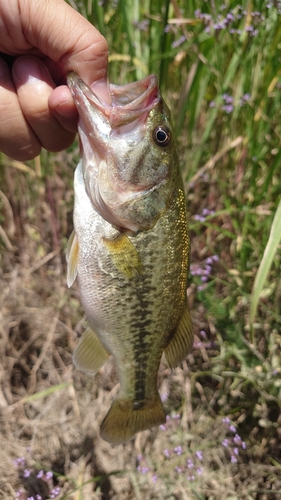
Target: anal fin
x=181 y=342
x=72 y=258
x=90 y=355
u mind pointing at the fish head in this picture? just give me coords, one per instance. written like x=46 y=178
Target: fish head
x=128 y=152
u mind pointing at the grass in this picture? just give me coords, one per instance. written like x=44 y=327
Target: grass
x=222 y=82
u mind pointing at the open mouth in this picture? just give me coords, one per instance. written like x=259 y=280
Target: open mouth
x=128 y=102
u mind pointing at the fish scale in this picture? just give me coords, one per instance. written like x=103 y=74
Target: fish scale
x=132 y=282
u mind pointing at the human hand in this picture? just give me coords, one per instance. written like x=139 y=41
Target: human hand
x=41 y=40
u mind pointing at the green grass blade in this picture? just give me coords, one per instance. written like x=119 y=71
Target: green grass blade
x=268 y=256
x=46 y=392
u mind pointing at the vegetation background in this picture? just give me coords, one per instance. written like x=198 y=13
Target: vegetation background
x=219 y=70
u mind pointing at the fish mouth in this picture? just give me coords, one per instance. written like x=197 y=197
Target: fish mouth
x=128 y=102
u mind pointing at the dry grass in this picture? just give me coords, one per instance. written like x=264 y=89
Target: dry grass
x=50 y=412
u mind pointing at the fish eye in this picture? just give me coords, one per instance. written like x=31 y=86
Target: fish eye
x=162 y=136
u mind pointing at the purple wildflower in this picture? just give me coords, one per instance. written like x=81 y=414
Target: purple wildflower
x=144 y=470
x=166 y=453
x=232 y=428
x=190 y=464
x=226 y=420
x=180 y=41
x=227 y=98
x=245 y=98
x=230 y=17
x=199 y=455
x=40 y=474
x=199 y=217
x=237 y=439
x=206 y=212
x=154 y=478
x=19 y=462
x=220 y=26
x=225 y=443
x=26 y=473
x=142 y=25
x=164 y=397
x=55 y=492
x=233 y=459
x=228 y=108
x=178 y=450
x=199 y=471
x=236 y=451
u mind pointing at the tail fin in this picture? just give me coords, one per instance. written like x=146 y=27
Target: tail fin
x=123 y=421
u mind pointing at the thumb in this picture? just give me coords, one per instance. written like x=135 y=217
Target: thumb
x=67 y=38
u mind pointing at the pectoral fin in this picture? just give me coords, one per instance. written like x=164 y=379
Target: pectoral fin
x=89 y=355
x=181 y=342
x=124 y=255
x=72 y=259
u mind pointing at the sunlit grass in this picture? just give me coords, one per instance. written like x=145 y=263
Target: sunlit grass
x=219 y=70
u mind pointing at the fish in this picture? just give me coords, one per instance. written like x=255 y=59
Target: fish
x=129 y=248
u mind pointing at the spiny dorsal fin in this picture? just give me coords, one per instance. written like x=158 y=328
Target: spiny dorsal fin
x=72 y=259
x=124 y=255
x=89 y=355
x=181 y=342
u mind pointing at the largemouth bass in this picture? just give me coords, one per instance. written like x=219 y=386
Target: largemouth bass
x=129 y=248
